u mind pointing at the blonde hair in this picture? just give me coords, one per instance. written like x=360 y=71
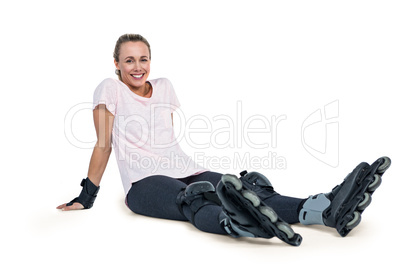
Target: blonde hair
x=128 y=38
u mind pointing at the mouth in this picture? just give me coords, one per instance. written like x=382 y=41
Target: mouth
x=137 y=76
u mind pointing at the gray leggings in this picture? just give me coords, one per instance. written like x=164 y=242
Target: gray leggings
x=155 y=196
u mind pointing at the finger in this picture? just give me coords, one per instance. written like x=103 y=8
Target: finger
x=61 y=206
x=67 y=208
x=74 y=206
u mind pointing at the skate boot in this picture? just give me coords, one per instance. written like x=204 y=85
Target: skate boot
x=258 y=183
x=196 y=196
x=342 y=207
x=246 y=215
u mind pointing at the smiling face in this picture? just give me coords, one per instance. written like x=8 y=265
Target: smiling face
x=134 y=64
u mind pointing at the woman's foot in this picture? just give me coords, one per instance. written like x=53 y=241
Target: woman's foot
x=343 y=206
x=247 y=216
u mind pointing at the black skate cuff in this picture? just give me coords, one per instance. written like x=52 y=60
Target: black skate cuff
x=88 y=194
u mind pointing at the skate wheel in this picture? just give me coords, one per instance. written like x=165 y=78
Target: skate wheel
x=375 y=184
x=270 y=213
x=384 y=166
x=355 y=221
x=252 y=197
x=284 y=227
x=228 y=178
x=365 y=203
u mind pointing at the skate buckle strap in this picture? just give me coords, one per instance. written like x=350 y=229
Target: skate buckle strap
x=196 y=196
x=233 y=230
x=312 y=210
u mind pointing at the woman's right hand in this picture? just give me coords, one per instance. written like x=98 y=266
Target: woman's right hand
x=103 y=120
x=74 y=206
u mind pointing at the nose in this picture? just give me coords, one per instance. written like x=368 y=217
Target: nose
x=137 y=66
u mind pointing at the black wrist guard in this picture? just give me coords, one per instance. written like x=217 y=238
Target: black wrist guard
x=88 y=194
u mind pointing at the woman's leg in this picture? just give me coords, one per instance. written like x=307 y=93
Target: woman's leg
x=157 y=196
x=286 y=207
x=212 y=177
x=207 y=218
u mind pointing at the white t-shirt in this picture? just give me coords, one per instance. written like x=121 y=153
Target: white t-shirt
x=143 y=137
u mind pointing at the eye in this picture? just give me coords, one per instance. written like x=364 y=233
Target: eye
x=144 y=60
x=129 y=61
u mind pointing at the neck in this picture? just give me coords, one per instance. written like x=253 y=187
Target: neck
x=143 y=91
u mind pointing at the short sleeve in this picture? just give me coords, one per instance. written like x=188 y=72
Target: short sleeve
x=174 y=101
x=106 y=93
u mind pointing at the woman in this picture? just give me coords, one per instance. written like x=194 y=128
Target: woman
x=160 y=180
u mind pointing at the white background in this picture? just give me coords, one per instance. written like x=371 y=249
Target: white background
x=276 y=57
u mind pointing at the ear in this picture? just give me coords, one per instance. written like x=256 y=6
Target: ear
x=116 y=64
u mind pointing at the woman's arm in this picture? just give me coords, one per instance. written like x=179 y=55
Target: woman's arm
x=103 y=120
